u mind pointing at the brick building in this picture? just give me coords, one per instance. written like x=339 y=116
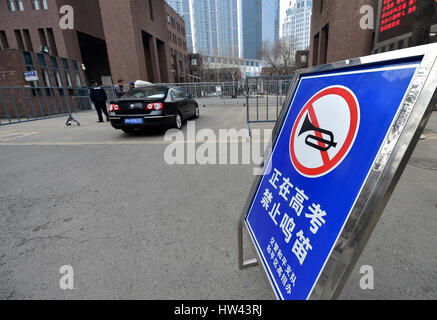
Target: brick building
x=196 y=67
x=113 y=39
x=52 y=71
x=178 y=45
x=301 y=59
x=336 y=33
x=57 y=89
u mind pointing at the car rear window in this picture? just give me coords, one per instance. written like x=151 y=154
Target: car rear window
x=146 y=93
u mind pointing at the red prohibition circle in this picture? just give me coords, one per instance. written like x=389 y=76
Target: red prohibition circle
x=329 y=164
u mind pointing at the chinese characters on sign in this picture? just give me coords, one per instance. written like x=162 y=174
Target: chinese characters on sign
x=394 y=11
x=283 y=269
x=285 y=202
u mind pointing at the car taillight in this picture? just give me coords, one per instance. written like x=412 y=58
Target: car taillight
x=156 y=106
x=114 y=107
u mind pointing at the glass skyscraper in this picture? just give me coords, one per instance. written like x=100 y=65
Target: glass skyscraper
x=252 y=28
x=260 y=24
x=227 y=28
x=270 y=20
x=296 y=27
x=211 y=25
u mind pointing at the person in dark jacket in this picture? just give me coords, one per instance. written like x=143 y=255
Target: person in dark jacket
x=98 y=97
x=119 y=89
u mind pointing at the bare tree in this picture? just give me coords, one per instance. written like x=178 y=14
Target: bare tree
x=233 y=69
x=270 y=53
x=422 y=22
x=279 y=55
x=287 y=51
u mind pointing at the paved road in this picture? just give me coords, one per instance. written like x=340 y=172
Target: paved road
x=134 y=227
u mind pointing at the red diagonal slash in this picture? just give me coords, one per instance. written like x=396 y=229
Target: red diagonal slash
x=313 y=117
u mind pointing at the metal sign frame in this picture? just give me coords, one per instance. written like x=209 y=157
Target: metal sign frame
x=391 y=160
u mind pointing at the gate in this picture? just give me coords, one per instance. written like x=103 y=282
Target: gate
x=265 y=96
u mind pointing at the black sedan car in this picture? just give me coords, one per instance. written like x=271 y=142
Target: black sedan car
x=152 y=106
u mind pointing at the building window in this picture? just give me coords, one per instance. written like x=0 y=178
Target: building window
x=19 y=39
x=45 y=5
x=20 y=5
x=28 y=61
x=57 y=74
x=52 y=42
x=36 y=5
x=67 y=73
x=55 y=64
x=41 y=60
x=4 y=40
x=76 y=73
x=42 y=37
x=45 y=74
x=27 y=39
x=325 y=31
x=316 y=49
x=11 y=5
x=151 y=10
x=401 y=44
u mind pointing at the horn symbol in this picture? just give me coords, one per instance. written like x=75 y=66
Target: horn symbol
x=308 y=126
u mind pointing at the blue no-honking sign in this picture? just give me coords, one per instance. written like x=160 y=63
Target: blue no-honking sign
x=330 y=135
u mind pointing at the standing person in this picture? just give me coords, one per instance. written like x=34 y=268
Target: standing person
x=119 y=91
x=98 y=97
x=131 y=86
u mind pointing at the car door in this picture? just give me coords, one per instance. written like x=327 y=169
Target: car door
x=190 y=104
x=172 y=101
x=184 y=105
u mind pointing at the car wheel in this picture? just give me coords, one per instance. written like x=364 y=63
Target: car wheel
x=128 y=131
x=178 y=121
x=196 y=113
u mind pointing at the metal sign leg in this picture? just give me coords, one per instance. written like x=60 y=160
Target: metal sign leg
x=243 y=264
x=70 y=120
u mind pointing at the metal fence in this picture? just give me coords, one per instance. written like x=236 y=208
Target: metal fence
x=19 y=104
x=207 y=93
x=265 y=97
